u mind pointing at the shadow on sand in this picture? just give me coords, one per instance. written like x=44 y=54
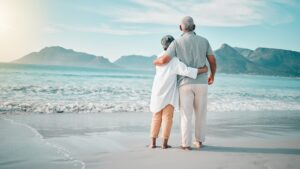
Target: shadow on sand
x=292 y=151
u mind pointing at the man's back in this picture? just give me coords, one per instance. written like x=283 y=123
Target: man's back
x=192 y=50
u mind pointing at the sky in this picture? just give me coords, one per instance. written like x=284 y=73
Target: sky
x=124 y=27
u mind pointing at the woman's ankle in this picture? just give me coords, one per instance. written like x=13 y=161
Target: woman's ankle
x=165 y=141
x=153 y=141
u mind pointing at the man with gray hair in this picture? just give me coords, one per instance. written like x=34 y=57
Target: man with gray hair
x=193 y=50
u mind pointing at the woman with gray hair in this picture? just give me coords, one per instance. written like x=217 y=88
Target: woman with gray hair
x=165 y=97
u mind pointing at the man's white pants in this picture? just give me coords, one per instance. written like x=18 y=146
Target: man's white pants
x=193 y=99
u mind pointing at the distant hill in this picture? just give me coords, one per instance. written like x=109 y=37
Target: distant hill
x=136 y=62
x=244 y=51
x=57 y=55
x=279 y=60
x=265 y=61
x=230 y=60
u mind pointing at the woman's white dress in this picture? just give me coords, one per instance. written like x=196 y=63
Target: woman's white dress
x=164 y=89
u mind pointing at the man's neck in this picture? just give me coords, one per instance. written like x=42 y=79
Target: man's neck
x=188 y=32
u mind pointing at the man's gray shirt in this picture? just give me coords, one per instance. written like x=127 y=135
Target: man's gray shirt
x=192 y=50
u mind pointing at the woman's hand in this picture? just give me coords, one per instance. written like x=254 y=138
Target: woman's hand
x=203 y=69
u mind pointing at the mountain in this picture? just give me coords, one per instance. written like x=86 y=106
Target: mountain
x=230 y=60
x=264 y=61
x=57 y=55
x=244 y=51
x=136 y=62
x=279 y=60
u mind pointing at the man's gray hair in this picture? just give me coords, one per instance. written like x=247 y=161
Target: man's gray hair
x=187 y=24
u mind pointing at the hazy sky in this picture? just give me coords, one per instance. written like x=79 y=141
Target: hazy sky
x=115 y=28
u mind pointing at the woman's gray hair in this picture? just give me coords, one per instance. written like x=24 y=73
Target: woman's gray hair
x=166 y=41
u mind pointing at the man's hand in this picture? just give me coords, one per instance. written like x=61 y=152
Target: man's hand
x=211 y=79
x=203 y=69
x=213 y=67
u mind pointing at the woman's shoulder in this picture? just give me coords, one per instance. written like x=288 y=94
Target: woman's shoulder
x=160 y=54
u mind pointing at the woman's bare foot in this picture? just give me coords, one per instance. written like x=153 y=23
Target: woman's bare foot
x=153 y=143
x=166 y=146
x=185 y=148
x=152 y=146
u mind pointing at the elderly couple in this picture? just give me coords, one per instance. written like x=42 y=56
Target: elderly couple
x=181 y=78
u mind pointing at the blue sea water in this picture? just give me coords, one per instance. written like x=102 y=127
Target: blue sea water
x=54 y=89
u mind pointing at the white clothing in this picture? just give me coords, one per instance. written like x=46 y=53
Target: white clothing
x=193 y=99
x=164 y=89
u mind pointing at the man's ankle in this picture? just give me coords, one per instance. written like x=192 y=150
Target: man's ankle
x=186 y=147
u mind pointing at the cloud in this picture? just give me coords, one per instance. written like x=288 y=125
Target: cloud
x=103 y=28
x=143 y=17
x=229 y=13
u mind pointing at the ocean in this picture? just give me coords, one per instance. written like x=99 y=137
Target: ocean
x=65 y=117
x=53 y=89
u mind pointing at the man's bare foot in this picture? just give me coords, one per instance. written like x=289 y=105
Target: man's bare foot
x=166 y=146
x=198 y=144
x=185 y=148
x=152 y=146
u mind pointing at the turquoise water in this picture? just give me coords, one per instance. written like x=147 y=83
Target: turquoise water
x=52 y=89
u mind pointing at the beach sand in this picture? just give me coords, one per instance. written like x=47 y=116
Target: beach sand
x=119 y=141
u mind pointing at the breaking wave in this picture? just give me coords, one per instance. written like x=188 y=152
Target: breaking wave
x=115 y=107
